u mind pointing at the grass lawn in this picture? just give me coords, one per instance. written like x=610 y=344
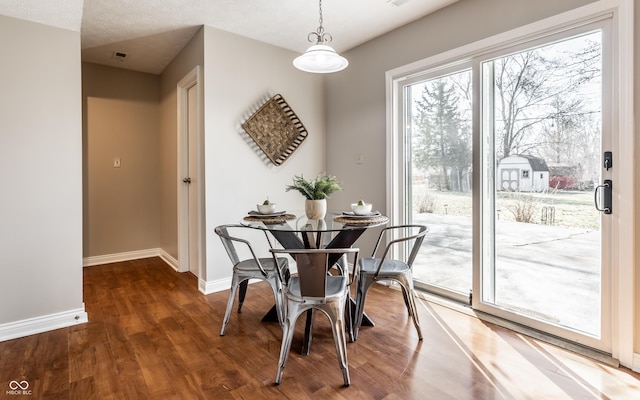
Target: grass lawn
x=568 y=208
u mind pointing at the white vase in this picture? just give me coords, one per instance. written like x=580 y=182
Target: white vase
x=315 y=209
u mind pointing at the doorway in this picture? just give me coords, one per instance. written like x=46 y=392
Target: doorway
x=190 y=257
x=501 y=155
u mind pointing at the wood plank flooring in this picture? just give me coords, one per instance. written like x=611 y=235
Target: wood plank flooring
x=152 y=335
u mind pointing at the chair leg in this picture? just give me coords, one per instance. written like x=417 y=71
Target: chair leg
x=410 y=300
x=348 y=315
x=278 y=295
x=414 y=312
x=287 y=338
x=241 y=295
x=361 y=293
x=337 y=317
x=227 y=313
x=407 y=302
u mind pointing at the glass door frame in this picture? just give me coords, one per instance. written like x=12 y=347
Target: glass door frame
x=406 y=122
x=621 y=13
x=484 y=224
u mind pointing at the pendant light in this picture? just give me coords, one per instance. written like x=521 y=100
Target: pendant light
x=320 y=58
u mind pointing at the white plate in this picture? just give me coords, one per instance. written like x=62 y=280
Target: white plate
x=350 y=214
x=275 y=214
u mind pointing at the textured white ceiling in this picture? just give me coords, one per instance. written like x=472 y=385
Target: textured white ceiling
x=65 y=14
x=152 y=32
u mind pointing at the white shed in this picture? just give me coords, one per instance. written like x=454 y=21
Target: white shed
x=522 y=173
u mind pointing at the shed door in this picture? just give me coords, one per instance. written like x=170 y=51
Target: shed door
x=510 y=179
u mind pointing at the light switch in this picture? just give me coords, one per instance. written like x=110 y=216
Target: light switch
x=116 y=162
x=360 y=158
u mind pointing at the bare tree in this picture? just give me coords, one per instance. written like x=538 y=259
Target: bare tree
x=538 y=87
x=560 y=132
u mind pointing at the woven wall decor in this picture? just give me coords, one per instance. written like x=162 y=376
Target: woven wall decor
x=276 y=129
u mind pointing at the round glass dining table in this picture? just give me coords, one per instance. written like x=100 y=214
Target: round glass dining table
x=293 y=230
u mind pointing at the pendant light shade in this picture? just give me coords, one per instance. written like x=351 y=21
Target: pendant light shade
x=320 y=58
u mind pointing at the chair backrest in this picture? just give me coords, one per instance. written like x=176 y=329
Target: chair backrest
x=313 y=266
x=228 y=242
x=403 y=234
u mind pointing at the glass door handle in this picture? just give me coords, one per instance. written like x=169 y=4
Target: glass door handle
x=607 y=187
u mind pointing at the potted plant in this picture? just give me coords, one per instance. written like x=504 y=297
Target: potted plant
x=316 y=192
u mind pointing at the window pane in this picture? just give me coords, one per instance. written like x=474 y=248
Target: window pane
x=546 y=118
x=440 y=143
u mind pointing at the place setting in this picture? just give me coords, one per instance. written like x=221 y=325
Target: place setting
x=266 y=212
x=361 y=214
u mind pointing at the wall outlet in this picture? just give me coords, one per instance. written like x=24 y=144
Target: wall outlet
x=116 y=162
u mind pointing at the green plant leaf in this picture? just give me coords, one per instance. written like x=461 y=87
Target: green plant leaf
x=319 y=188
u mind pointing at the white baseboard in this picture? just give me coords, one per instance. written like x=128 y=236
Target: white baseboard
x=126 y=256
x=31 y=326
x=636 y=362
x=131 y=255
x=208 y=287
x=173 y=263
x=218 y=285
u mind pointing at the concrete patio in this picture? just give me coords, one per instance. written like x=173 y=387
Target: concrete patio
x=548 y=272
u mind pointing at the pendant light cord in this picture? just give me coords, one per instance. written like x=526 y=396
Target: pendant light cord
x=320 y=36
x=320 y=28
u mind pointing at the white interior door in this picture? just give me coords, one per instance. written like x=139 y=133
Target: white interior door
x=194 y=181
x=190 y=249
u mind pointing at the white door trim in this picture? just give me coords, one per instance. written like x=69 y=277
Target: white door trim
x=193 y=78
x=624 y=254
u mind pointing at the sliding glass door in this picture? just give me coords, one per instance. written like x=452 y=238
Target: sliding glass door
x=545 y=245
x=438 y=127
x=532 y=124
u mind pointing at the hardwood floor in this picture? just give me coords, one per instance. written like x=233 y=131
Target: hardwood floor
x=152 y=335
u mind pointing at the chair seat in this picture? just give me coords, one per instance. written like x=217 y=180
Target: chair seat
x=335 y=288
x=267 y=264
x=315 y=288
x=373 y=269
x=390 y=267
x=251 y=268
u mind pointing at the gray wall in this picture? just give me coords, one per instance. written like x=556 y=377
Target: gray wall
x=121 y=119
x=239 y=75
x=41 y=173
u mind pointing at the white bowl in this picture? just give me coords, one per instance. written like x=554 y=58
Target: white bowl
x=266 y=208
x=361 y=210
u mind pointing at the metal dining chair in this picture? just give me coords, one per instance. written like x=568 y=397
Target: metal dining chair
x=315 y=288
x=372 y=269
x=270 y=269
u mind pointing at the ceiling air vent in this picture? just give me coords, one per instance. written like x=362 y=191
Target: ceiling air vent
x=119 y=55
